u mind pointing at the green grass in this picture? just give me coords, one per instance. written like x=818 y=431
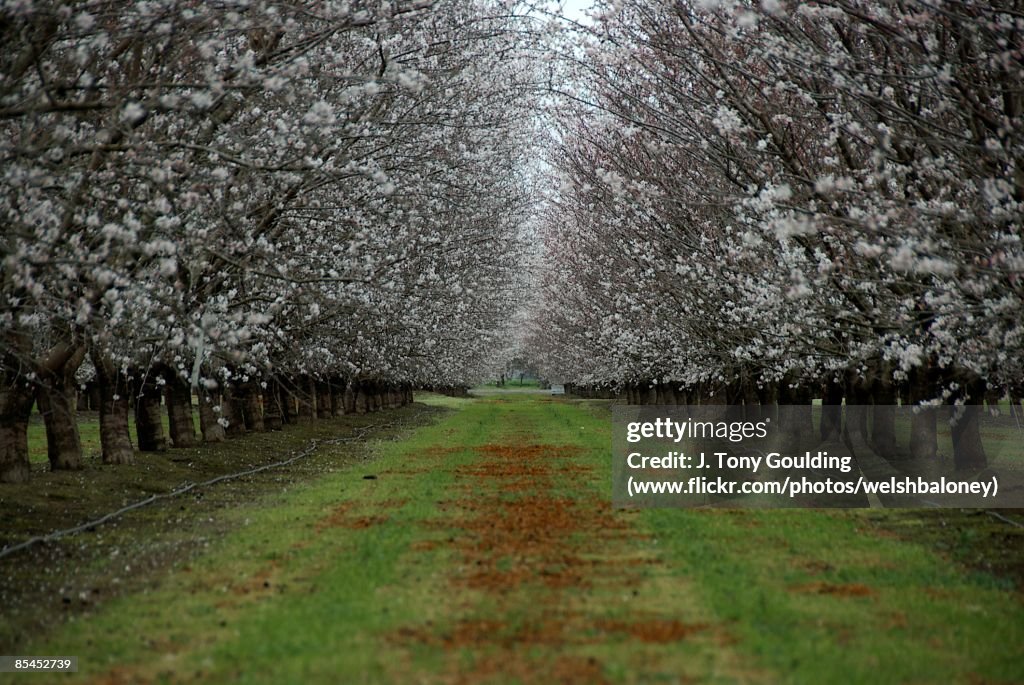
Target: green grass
x=219 y=608
x=814 y=598
x=349 y=579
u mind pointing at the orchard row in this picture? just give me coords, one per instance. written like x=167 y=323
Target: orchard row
x=216 y=197
x=773 y=201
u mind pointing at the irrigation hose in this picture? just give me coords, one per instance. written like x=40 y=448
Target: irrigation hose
x=309 y=449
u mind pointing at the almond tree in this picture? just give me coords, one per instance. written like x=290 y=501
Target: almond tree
x=215 y=199
x=825 y=194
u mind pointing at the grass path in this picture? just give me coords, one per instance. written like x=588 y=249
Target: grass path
x=482 y=549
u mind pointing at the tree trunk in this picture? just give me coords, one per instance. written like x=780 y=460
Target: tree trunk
x=231 y=410
x=306 y=398
x=289 y=411
x=683 y=396
x=767 y=409
x=323 y=399
x=993 y=395
x=249 y=401
x=799 y=417
x=63 y=444
x=924 y=439
x=787 y=417
x=748 y=394
x=832 y=411
x=337 y=386
x=16 y=401
x=968 y=451
x=89 y=397
x=733 y=392
x=149 y=425
x=273 y=418
x=349 y=398
x=361 y=406
x=209 y=422
x=883 y=416
x=93 y=391
x=178 y=396
x=855 y=430
x=113 y=388
x=369 y=390
x=58 y=400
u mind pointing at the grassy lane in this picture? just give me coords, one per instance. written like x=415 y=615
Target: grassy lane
x=483 y=549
